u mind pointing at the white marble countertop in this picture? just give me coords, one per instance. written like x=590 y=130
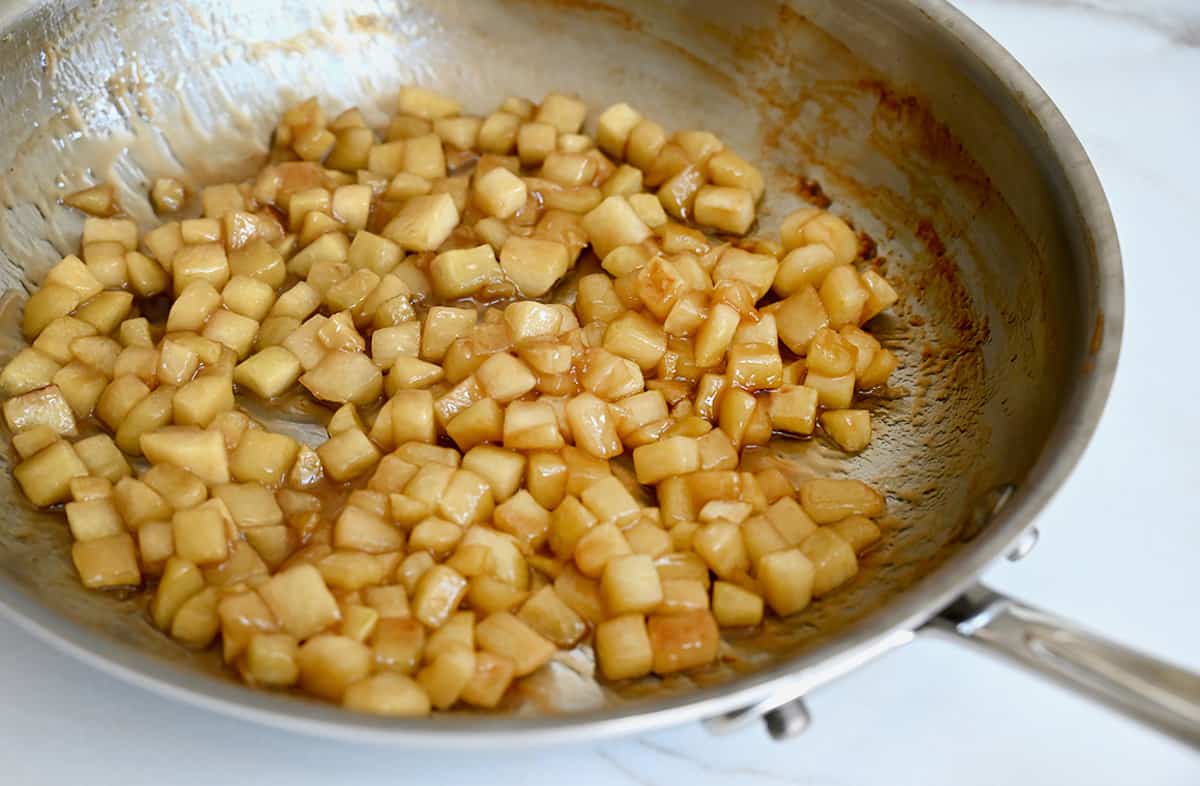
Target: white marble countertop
x=1118 y=551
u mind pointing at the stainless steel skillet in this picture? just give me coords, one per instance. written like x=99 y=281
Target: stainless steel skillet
x=910 y=119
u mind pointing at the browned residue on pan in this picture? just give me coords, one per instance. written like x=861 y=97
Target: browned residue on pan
x=810 y=191
x=1097 y=334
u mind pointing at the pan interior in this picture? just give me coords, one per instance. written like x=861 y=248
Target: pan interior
x=988 y=330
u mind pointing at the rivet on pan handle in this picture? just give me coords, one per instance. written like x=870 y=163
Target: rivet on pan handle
x=783 y=710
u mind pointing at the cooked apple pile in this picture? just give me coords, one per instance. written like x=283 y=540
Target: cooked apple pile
x=543 y=353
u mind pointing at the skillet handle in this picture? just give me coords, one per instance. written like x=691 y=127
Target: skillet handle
x=1158 y=694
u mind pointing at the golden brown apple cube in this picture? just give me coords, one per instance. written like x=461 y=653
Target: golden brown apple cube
x=204 y=262
x=761 y=537
x=593 y=425
x=29 y=370
x=263 y=457
x=179 y=488
x=389 y=602
x=442 y=326
x=793 y=408
x=832 y=558
x=859 y=531
x=193 y=307
x=467 y=499
x=736 y=606
x=330 y=664
x=569 y=522
x=564 y=113
x=877 y=373
x=535 y=141
x=596 y=547
x=736 y=411
x=849 y=428
x=300 y=601
x=395 y=341
x=637 y=338
x=45 y=477
x=348 y=455
x=787 y=580
x=483 y=421
x=200 y=536
x=462 y=272
x=531 y=425
x=670 y=456
x=683 y=641
x=498 y=134
x=755 y=366
x=426 y=104
x=200 y=400
x=156 y=545
x=682 y=596
x=568 y=169
x=630 y=584
x=258 y=259
x=81 y=385
x=188 y=447
x=803 y=267
x=50 y=302
x=833 y=392
x=534 y=265
x=457 y=633
x=388 y=694
x=716 y=335
x=625 y=181
x=94 y=519
x=720 y=544
x=351 y=570
x=437 y=595
x=423 y=223
x=614 y=223
x=499 y=192
x=412 y=417
x=98 y=200
x=880 y=295
x=119 y=230
x=828 y=500
x=398 y=643
x=727 y=168
x=368 y=532
x=611 y=501
x=445 y=678
x=42 y=407
x=550 y=617
x=70 y=273
x=271 y=660
x=488 y=595
x=523 y=518
x=344 y=377
x=493 y=674
x=56 y=338
x=724 y=208
x=459 y=132
x=138 y=503
x=250 y=504
x=614 y=126
x=196 y=623
x=611 y=377
x=844 y=296
x=799 y=317
x=623 y=648
x=33 y=440
x=436 y=536
x=506 y=635
x=373 y=252
x=106 y=311
x=268 y=373
x=386 y=159
x=546 y=478
x=596 y=300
